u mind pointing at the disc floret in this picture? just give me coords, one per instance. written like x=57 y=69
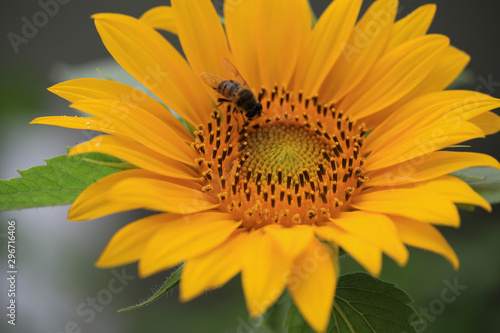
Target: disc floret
x=300 y=163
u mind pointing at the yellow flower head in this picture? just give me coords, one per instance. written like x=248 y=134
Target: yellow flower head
x=347 y=150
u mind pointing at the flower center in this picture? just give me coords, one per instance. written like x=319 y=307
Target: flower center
x=300 y=163
x=282 y=150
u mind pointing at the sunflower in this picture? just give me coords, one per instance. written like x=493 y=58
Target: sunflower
x=347 y=153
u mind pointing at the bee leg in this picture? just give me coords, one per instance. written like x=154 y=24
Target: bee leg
x=237 y=122
x=222 y=100
x=246 y=121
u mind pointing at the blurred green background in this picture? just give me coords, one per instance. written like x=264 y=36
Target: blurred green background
x=57 y=280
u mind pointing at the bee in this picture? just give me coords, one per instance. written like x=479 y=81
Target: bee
x=234 y=91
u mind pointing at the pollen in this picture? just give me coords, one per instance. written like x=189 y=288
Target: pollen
x=299 y=163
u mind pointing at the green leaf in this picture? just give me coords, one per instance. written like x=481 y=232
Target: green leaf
x=116 y=165
x=171 y=282
x=295 y=322
x=464 y=79
x=273 y=318
x=222 y=20
x=484 y=180
x=57 y=183
x=466 y=207
x=363 y=304
x=366 y=304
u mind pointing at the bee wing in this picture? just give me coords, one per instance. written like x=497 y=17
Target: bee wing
x=231 y=70
x=212 y=80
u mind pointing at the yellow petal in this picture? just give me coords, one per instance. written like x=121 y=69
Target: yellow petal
x=283 y=29
x=80 y=90
x=453 y=189
x=312 y=285
x=183 y=238
x=453 y=107
x=128 y=243
x=243 y=38
x=212 y=269
x=136 y=154
x=325 y=44
x=364 y=252
x=148 y=57
x=202 y=37
x=94 y=202
x=363 y=48
x=395 y=75
x=161 y=18
x=377 y=229
x=292 y=241
x=142 y=127
x=160 y=195
x=428 y=167
x=420 y=142
x=265 y=272
x=446 y=71
x=424 y=236
x=412 y=26
x=412 y=203
x=449 y=67
x=84 y=123
x=489 y=122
